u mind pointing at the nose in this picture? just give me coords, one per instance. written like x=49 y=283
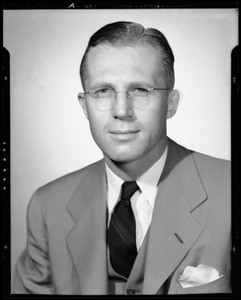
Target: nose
x=122 y=107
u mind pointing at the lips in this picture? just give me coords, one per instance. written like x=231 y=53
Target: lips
x=124 y=131
x=124 y=135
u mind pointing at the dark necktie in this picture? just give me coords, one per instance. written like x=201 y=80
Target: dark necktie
x=122 y=232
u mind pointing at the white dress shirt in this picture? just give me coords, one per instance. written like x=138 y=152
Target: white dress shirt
x=142 y=202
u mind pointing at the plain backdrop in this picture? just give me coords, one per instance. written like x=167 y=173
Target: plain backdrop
x=49 y=133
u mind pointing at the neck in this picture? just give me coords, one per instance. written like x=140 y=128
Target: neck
x=132 y=170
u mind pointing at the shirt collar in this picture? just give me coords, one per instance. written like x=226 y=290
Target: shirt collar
x=147 y=183
x=149 y=180
x=114 y=184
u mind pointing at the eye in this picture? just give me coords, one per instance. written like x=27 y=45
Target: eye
x=139 y=91
x=103 y=92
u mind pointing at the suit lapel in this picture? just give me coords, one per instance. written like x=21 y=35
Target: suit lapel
x=87 y=239
x=173 y=230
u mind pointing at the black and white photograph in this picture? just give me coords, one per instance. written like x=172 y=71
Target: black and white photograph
x=120 y=134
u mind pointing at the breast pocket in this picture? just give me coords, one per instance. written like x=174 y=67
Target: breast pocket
x=221 y=285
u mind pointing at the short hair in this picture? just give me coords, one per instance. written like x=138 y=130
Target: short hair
x=121 y=34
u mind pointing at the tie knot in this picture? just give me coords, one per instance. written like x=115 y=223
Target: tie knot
x=128 y=189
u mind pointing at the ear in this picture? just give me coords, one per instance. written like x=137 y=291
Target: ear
x=82 y=101
x=172 y=103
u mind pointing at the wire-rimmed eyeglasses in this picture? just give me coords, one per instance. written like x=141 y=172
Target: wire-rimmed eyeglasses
x=139 y=96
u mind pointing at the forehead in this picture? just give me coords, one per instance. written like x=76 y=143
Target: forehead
x=141 y=62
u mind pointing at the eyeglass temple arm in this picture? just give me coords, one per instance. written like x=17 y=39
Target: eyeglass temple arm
x=159 y=89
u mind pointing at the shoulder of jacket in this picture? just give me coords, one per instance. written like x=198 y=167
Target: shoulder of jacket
x=74 y=176
x=213 y=170
x=63 y=187
x=204 y=163
x=204 y=160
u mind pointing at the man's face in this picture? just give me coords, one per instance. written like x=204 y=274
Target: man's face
x=125 y=133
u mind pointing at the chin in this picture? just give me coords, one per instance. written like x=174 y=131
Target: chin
x=123 y=157
x=122 y=160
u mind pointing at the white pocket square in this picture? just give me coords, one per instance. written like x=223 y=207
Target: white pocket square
x=196 y=276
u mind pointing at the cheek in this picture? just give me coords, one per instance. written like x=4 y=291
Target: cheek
x=154 y=123
x=97 y=124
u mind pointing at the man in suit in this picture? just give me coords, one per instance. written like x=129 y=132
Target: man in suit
x=150 y=213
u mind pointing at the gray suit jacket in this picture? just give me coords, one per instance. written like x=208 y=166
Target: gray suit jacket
x=191 y=225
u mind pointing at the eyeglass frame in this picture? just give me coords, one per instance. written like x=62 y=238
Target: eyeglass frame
x=90 y=92
x=149 y=89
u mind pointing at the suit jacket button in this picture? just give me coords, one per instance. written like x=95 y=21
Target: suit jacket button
x=130 y=292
